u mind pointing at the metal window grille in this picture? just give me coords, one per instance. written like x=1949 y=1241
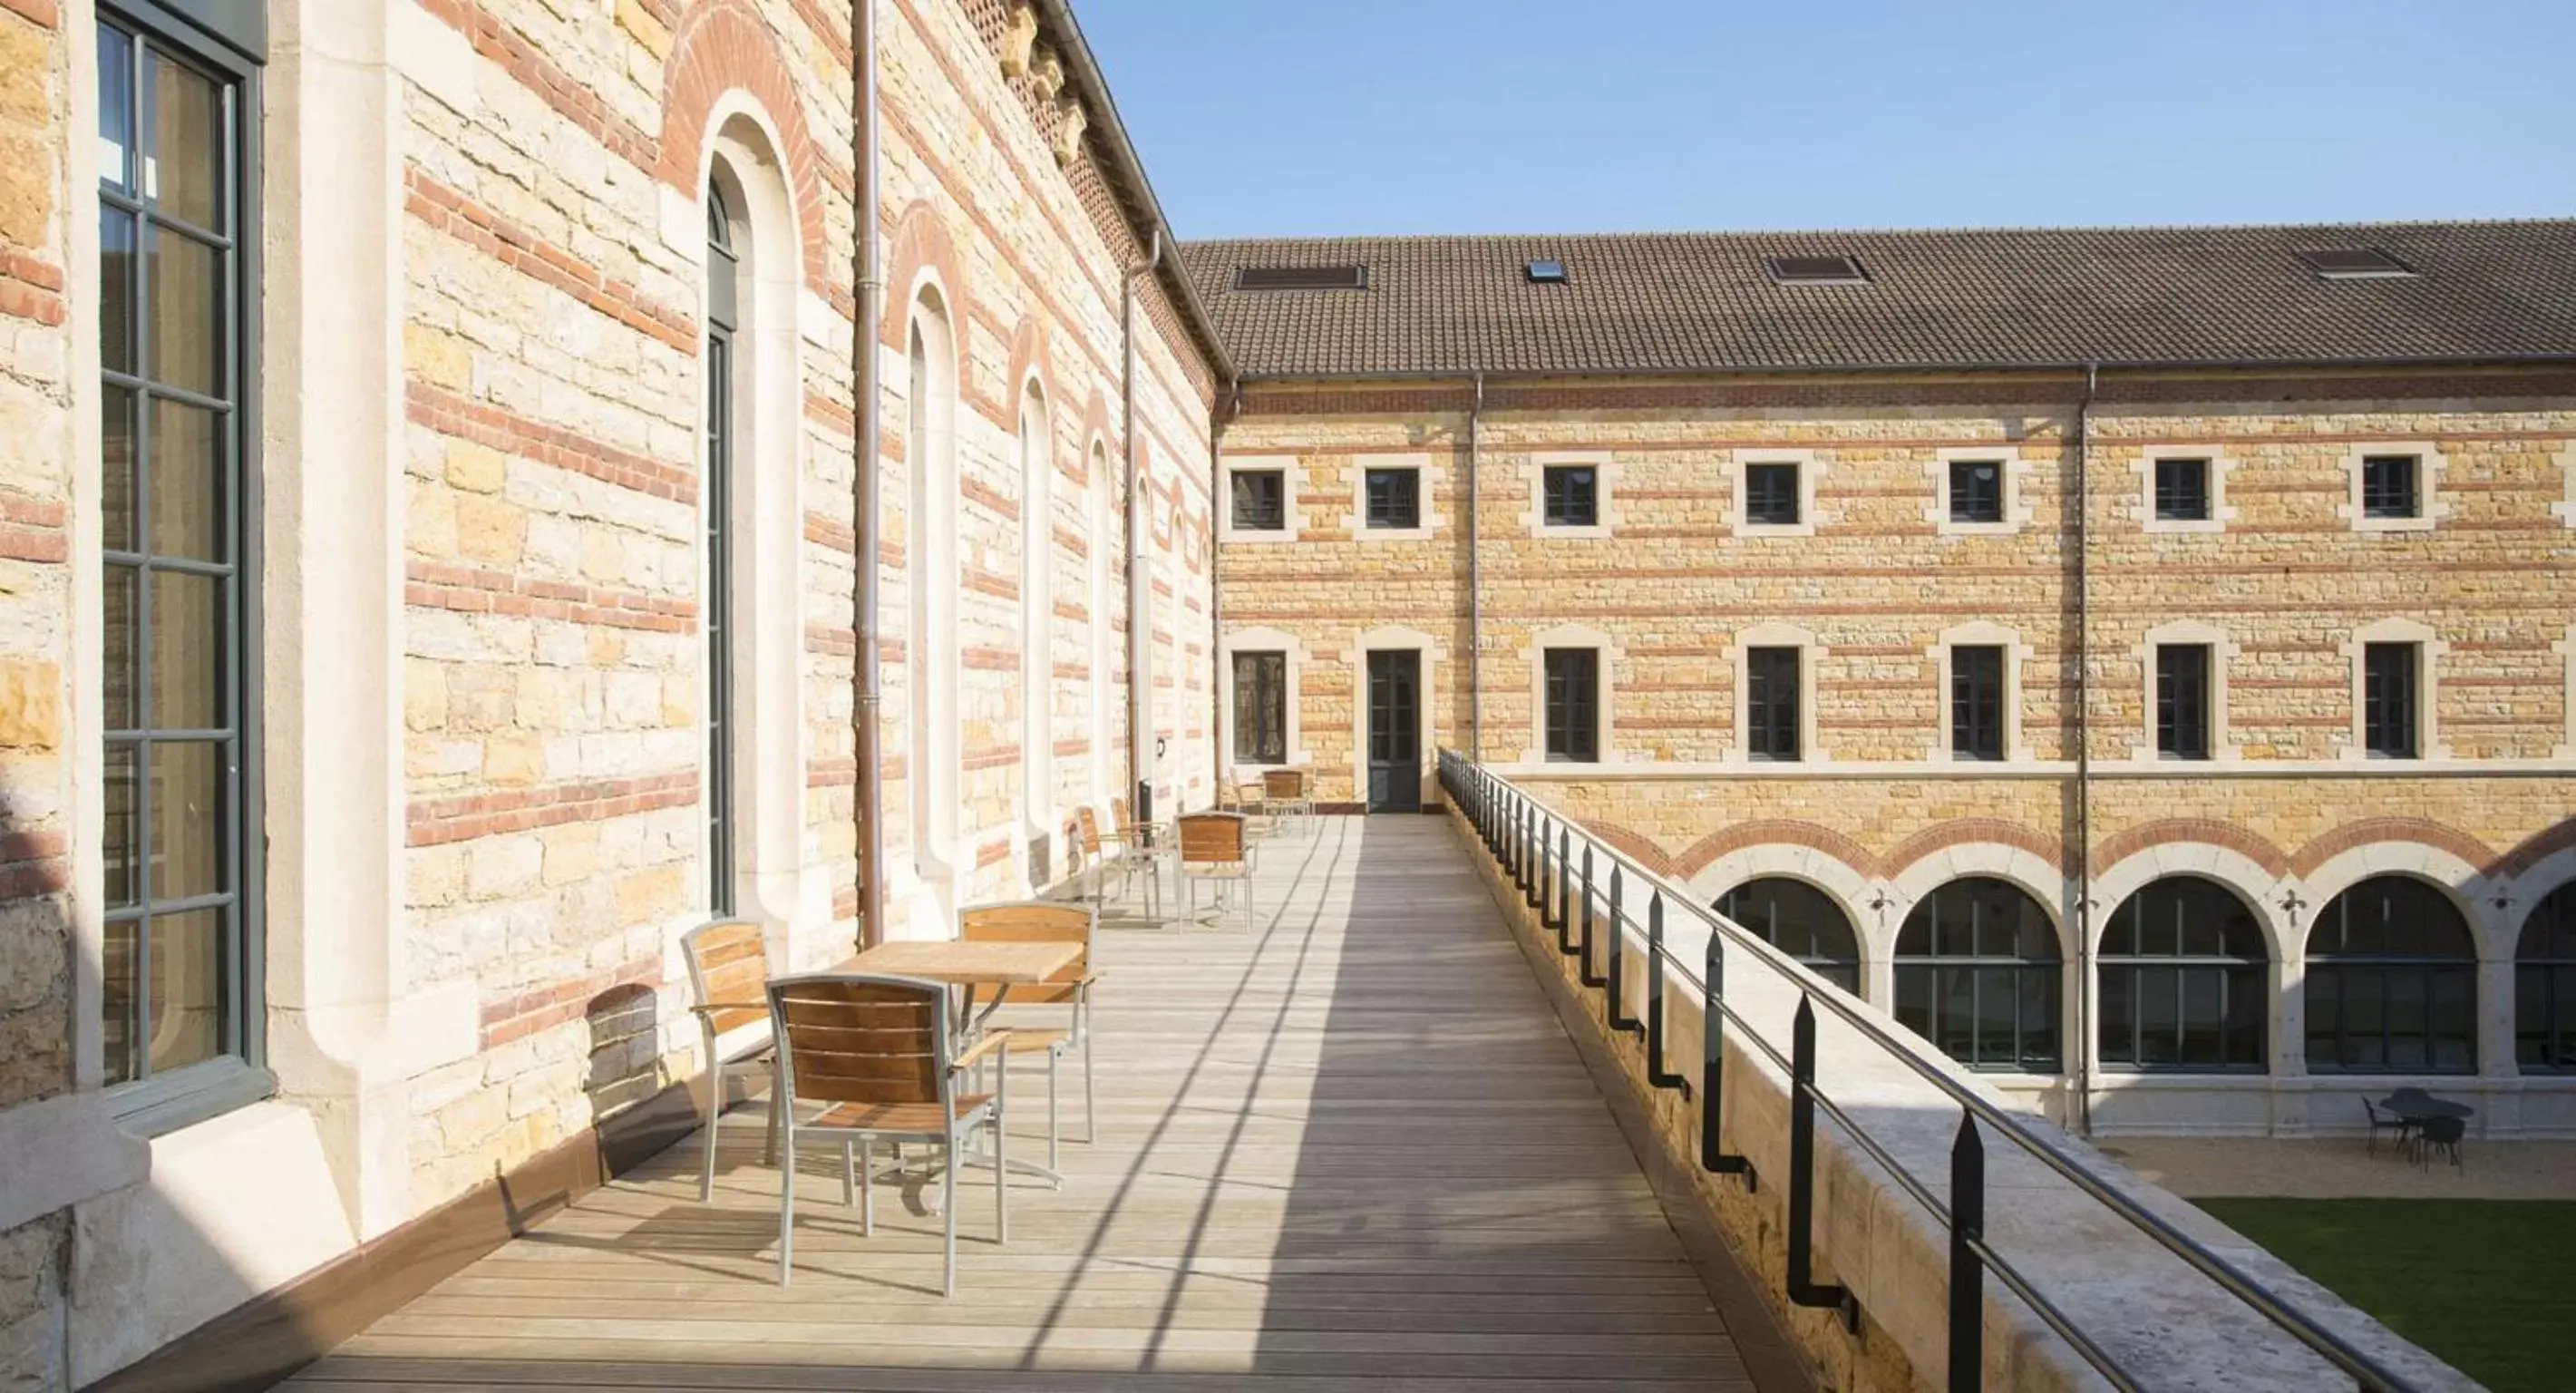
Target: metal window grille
x=1571 y=496
x=1260 y=500
x=1394 y=498
x=1573 y=702
x=2389 y=487
x=723 y=300
x=1976 y=491
x=1771 y=495
x=1261 y=708
x=2182 y=490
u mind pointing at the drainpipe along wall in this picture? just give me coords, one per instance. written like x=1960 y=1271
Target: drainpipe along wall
x=1140 y=580
x=1223 y=415
x=864 y=396
x=2084 y=985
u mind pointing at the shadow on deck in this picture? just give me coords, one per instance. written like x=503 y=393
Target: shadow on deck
x=1350 y=1147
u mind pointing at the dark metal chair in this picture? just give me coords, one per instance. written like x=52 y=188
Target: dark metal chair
x=2384 y=1122
x=2440 y=1134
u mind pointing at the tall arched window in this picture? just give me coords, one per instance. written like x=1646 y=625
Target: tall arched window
x=2392 y=983
x=1101 y=550
x=1037 y=630
x=1977 y=975
x=1801 y=921
x=724 y=299
x=930 y=644
x=2184 y=986
x=2544 y=986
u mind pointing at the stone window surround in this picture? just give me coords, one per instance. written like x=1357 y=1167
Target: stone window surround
x=1433 y=522
x=1033 y=442
x=2016 y=507
x=1292 y=480
x=2428 y=744
x=2180 y=633
x=1810 y=465
x=1393 y=639
x=1811 y=751
x=2566 y=507
x=1264 y=641
x=1611 y=655
x=1605 y=493
x=2016 y=652
x=2220 y=464
x=939 y=846
x=2429 y=466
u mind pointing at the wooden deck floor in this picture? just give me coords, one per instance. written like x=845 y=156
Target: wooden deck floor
x=1350 y=1148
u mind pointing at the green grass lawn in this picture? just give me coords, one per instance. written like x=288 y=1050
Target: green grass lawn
x=2485 y=1284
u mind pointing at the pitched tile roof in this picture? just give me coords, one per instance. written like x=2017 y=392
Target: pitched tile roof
x=1687 y=302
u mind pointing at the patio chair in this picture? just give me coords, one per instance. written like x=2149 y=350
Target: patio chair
x=2384 y=1122
x=879 y=1055
x=1143 y=846
x=1071 y=988
x=1284 y=790
x=2440 y=1134
x=1213 y=848
x=728 y=963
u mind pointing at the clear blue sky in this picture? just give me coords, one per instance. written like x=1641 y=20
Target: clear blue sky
x=1318 y=117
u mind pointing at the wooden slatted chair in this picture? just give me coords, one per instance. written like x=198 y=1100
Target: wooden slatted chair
x=728 y=967
x=1147 y=845
x=1214 y=848
x=1283 y=791
x=1071 y=988
x=879 y=1055
x=1105 y=863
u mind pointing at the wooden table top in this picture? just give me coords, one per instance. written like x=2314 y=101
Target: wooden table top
x=962 y=961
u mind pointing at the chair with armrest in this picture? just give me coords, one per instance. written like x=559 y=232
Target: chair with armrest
x=1214 y=848
x=1069 y=989
x=728 y=966
x=880 y=1056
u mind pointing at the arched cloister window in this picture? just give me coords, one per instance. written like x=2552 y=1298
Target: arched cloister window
x=2184 y=981
x=930 y=642
x=1977 y=975
x=2544 y=986
x=1037 y=629
x=724 y=318
x=1801 y=921
x=2392 y=982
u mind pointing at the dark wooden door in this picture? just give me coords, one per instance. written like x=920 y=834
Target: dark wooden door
x=1395 y=732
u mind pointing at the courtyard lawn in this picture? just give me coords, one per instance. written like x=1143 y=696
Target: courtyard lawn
x=2481 y=1283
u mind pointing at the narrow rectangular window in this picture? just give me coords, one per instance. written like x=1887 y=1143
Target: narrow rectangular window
x=2389 y=487
x=1976 y=490
x=2182 y=701
x=1260 y=500
x=1261 y=708
x=1394 y=498
x=1573 y=704
x=1771 y=495
x=2182 y=490
x=2389 y=719
x=1771 y=703
x=181 y=953
x=1977 y=701
x=1571 y=496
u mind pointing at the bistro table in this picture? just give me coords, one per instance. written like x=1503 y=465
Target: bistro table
x=971 y=965
x=2414 y=1105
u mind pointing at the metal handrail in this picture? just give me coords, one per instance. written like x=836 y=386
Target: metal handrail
x=1515 y=828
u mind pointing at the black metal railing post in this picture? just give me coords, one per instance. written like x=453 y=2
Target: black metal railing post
x=1712 y=1070
x=1583 y=950
x=1967 y=1274
x=1804 y=1290
x=1656 y=1073
x=1531 y=890
x=1614 y=974
x=1564 y=877
x=1566 y=934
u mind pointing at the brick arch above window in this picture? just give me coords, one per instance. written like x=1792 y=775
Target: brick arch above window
x=922 y=251
x=1032 y=360
x=723 y=46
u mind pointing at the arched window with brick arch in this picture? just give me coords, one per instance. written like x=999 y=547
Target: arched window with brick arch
x=2544 y=986
x=2185 y=981
x=1037 y=631
x=1978 y=975
x=1801 y=921
x=930 y=639
x=2392 y=982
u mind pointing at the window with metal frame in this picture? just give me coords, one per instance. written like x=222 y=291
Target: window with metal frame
x=1977 y=974
x=1771 y=697
x=1977 y=701
x=1801 y=921
x=2185 y=983
x=2390 y=487
x=1771 y=495
x=1977 y=490
x=723 y=299
x=1573 y=704
x=1260 y=500
x=1394 y=498
x=2544 y=986
x=2183 y=698
x=2392 y=982
x=182 y=986
x=1571 y=495
x=2389 y=719
x=1261 y=708
x=2182 y=490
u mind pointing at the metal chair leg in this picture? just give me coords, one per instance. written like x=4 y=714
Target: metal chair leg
x=715 y=1117
x=1001 y=1168
x=787 y=1213
x=849 y=1173
x=868 y=1193
x=1055 y=1091
x=1090 y=1117
x=948 y=1197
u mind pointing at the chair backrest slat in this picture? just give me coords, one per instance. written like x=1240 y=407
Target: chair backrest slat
x=1037 y=922
x=728 y=963
x=1285 y=784
x=854 y=1039
x=1090 y=823
x=1211 y=839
